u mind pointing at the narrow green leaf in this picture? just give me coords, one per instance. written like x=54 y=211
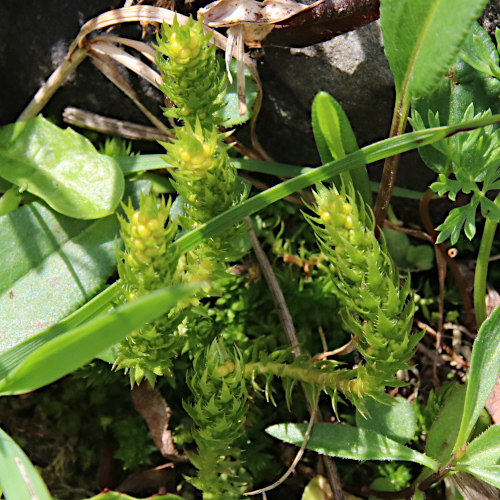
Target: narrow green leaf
x=398 y=422
x=13 y=357
x=49 y=265
x=422 y=39
x=19 y=479
x=485 y=449
x=366 y=155
x=79 y=346
x=62 y=167
x=490 y=474
x=444 y=430
x=141 y=163
x=345 y=441
x=329 y=122
x=335 y=139
x=483 y=373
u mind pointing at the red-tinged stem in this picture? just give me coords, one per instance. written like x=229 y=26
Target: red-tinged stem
x=391 y=164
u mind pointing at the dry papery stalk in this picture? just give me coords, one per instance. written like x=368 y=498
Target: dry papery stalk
x=102 y=51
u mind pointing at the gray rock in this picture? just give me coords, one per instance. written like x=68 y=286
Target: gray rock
x=351 y=67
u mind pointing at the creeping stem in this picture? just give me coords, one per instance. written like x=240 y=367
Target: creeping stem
x=344 y=380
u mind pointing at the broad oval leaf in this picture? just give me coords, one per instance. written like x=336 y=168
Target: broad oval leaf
x=483 y=373
x=62 y=167
x=422 y=39
x=49 y=265
x=230 y=111
x=69 y=351
x=485 y=449
x=19 y=479
x=12 y=358
x=345 y=441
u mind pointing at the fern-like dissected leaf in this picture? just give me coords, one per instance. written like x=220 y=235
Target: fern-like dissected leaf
x=474 y=162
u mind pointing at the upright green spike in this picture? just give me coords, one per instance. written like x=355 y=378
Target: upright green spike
x=378 y=310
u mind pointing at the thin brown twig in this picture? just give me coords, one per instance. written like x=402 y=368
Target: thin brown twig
x=279 y=300
x=442 y=345
x=291 y=335
x=241 y=148
x=112 y=126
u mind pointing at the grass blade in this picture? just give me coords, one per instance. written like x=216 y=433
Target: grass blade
x=69 y=351
x=19 y=479
x=366 y=155
x=12 y=358
x=484 y=368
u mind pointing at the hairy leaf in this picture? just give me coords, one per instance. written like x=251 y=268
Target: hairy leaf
x=485 y=449
x=345 y=441
x=423 y=38
x=484 y=368
x=449 y=102
x=397 y=422
x=62 y=167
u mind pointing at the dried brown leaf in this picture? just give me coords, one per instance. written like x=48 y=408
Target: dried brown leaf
x=156 y=412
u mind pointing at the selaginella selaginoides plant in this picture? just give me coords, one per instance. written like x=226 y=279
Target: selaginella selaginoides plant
x=378 y=310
